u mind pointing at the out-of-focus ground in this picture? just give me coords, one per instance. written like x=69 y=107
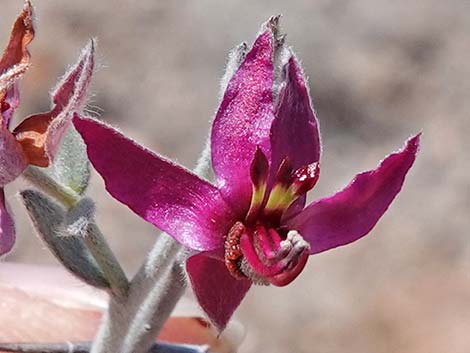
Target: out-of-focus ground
x=379 y=71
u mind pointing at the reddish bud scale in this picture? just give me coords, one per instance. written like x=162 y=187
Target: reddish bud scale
x=284 y=173
x=259 y=168
x=4 y=107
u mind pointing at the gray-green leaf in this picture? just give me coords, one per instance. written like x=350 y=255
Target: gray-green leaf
x=71 y=167
x=49 y=221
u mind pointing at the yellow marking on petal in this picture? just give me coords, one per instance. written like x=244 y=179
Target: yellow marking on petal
x=258 y=194
x=276 y=198
x=257 y=198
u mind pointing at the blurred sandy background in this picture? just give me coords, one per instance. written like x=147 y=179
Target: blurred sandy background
x=379 y=71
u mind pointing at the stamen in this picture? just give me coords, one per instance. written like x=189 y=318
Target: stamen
x=281 y=184
x=259 y=168
x=284 y=173
x=259 y=174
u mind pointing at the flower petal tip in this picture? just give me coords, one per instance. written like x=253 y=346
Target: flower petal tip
x=218 y=293
x=272 y=25
x=72 y=87
x=41 y=134
x=352 y=212
x=413 y=143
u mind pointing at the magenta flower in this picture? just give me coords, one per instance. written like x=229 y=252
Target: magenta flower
x=252 y=225
x=36 y=139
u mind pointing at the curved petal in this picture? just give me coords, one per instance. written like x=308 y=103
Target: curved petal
x=12 y=158
x=218 y=293
x=170 y=197
x=21 y=36
x=352 y=212
x=72 y=88
x=294 y=132
x=41 y=134
x=7 y=227
x=243 y=121
x=17 y=55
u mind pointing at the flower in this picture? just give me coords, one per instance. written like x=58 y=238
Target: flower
x=252 y=225
x=36 y=139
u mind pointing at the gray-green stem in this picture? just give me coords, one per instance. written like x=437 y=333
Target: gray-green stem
x=94 y=239
x=38 y=178
x=106 y=260
x=132 y=324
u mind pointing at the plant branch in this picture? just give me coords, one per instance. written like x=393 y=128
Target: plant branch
x=106 y=260
x=132 y=324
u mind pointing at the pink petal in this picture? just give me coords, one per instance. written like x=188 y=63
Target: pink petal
x=40 y=134
x=7 y=227
x=164 y=194
x=243 y=121
x=218 y=293
x=12 y=158
x=352 y=212
x=295 y=130
x=294 y=133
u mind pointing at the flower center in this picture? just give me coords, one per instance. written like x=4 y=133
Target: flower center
x=261 y=248
x=288 y=185
x=265 y=256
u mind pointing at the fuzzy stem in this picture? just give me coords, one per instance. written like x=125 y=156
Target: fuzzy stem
x=132 y=324
x=37 y=177
x=106 y=260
